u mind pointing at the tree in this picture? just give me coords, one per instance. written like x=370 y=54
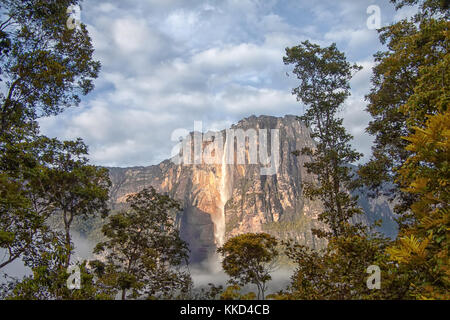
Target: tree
x=409 y=103
x=250 y=258
x=324 y=76
x=59 y=183
x=44 y=68
x=422 y=249
x=56 y=180
x=143 y=255
x=428 y=8
x=21 y=228
x=412 y=72
x=338 y=271
x=211 y=292
x=49 y=282
x=23 y=214
x=72 y=187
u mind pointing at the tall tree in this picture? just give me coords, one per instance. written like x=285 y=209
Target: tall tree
x=143 y=256
x=338 y=271
x=413 y=72
x=57 y=182
x=44 y=68
x=72 y=187
x=324 y=76
x=421 y=251
x=409 y=102
x=250 y=258
x=60 y=184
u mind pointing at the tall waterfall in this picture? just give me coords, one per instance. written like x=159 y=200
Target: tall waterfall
x=224 y=196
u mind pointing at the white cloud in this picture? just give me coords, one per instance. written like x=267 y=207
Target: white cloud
x=130 y=34
x=167 y=63
x=355 y=39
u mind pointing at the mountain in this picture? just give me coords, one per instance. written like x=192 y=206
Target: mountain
x=223 y=200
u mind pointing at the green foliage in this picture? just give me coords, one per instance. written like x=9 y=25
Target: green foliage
x=339 y=271
x=20 y=226
x=22 y=219
x=409 y=99
x=70 y=186
x=45 y=67
x=324 y=76
x=143 y=255
x=49 y=282
x=250 y=258
x=422 y=248
x=410 y=82
x=233 y=292
x=409 y=102
x=40 y=179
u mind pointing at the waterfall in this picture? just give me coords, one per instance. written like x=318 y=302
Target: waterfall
x=224 y=196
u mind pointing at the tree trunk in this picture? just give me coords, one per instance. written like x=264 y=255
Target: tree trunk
x=263 y=289
x=68 y=248
x=67 y=223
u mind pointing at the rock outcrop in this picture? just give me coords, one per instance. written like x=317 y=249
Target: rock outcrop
x=223 y=200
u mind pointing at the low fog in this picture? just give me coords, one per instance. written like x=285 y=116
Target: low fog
x=202 y=273
x=17 y=269
x=211 y=272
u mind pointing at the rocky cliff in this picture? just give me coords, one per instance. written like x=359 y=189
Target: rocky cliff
x=226 y=197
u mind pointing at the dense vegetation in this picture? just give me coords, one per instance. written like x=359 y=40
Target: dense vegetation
x=46 y=68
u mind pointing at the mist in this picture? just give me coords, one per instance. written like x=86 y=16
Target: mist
x=211 y=272
x=18 y=270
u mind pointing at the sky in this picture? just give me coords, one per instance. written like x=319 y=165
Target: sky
x=168 y=63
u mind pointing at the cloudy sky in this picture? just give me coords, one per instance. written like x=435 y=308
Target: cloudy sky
x=168 y=63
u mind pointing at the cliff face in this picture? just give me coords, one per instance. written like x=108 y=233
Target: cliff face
x=223 y=200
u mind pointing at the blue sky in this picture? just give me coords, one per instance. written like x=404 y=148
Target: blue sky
x=168 y=63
